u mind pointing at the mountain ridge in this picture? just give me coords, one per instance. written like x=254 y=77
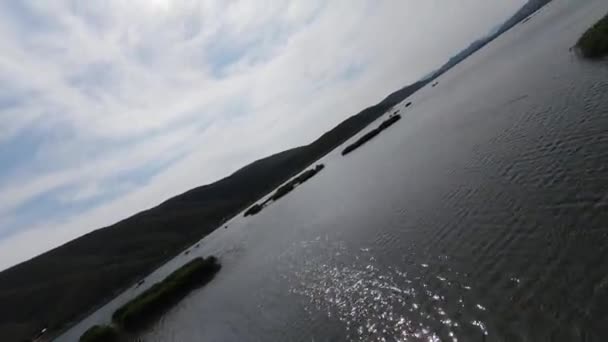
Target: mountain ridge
x=528 y=9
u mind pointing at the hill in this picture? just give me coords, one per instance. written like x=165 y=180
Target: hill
x=519 y=17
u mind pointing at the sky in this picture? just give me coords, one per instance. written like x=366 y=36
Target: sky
x=110 y=107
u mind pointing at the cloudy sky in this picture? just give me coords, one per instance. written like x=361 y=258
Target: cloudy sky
x=110 y=107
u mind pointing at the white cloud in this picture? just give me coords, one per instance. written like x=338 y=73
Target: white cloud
x=113 y=86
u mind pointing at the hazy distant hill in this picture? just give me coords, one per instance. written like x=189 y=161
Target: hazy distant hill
x=528 y=9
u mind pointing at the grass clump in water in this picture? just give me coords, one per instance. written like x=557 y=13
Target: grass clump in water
x=282 y=191
x=594 y=43
x=371 y=134
x=100 y=333
x=254 y=209
x=154 y=301
x=287 y=188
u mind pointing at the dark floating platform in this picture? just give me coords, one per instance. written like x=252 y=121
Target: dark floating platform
x=371 y=134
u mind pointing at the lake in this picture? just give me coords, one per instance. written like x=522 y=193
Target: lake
x=482 y=215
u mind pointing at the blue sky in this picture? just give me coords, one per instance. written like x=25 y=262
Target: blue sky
x=110 y=107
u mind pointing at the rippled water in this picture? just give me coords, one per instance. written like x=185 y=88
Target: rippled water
x=375 y=302
x=481 y=216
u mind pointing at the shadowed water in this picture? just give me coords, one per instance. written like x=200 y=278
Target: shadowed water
x=481 y=216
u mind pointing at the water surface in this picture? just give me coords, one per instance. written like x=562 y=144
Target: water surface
x=481 y=216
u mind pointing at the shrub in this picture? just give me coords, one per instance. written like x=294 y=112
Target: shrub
x=256 y=208
x=162 y=295
x=303 y=177
x=371 y=134
x=594 y=43
x=283 y=190
x=100 y=333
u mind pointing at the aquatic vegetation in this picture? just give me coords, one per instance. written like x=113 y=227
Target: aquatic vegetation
x=254 y=209
x=282 y=191
x=152 y=302
x=371 y=134
x=286 y=188
x=594 y=43
x=100 y=333
x=367 y=137
x=303 y=177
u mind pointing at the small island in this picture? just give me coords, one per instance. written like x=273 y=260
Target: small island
x=594 y=43
x=254 y=209
x=285 y=189
x=100 y=333
x=151 y=303
x=371 y=134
